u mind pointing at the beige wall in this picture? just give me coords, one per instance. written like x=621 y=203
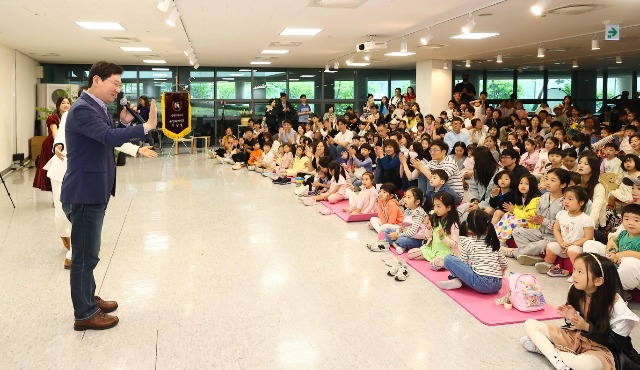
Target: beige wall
x=434 y=86
x=17 y=103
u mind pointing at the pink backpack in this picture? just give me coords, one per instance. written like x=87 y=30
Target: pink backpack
x=526 y=293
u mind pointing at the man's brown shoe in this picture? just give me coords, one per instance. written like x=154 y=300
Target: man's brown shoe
x=99 y=321
x=106 y=306
x=66 y=241
x=67 y=264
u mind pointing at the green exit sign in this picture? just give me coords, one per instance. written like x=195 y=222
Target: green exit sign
x=612 y=32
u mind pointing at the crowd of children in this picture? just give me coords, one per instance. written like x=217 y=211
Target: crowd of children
x=535 y=192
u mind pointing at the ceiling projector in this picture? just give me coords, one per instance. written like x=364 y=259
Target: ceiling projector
x=371 y=45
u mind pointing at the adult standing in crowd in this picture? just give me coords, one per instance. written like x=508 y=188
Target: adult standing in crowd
x=330 y=116
x=271 y=116
x=90 y=180
x=397 y=99
x=41 y=181
x=466 y=89
x=284 y=109
x=143 y=110
x=304 y=110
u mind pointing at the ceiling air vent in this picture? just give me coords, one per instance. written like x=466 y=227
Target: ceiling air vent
x=574 y=9
x=431 y=46
x=345 y=4
x=122 y=40
x=285 y=44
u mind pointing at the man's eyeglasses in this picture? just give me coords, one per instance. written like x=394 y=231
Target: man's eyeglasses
x=115 y=83
x=434 y=150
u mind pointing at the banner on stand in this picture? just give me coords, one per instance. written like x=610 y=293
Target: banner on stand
x=176 y=114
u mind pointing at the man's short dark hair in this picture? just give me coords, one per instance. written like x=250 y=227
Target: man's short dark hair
x=248 y=129
x=456 y=119
x=630 y=127
x=366 y=146
x=442 y=145
x=303 y=96
x=557 y=124
x=510 y=153
x=104 y=70
x=471 y=109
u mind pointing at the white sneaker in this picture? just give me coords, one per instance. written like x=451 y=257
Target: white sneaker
x=403 y=271
x=236 y=166
x=450 y=284
x=528 y=344
x=393 y=271
x=251 y=168
x=399 y=250
x=228 y=160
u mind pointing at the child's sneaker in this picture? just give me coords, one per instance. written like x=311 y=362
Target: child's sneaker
x=403 y=271
x=393 y=271
x=381 y=246
x=251 y=168
x=259 y=170
x=267 y=173
x=237 y=166
x=309 y=201
x=528 y=344
x=399 y=250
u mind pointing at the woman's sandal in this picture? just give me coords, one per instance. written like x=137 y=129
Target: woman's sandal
x=556 y=271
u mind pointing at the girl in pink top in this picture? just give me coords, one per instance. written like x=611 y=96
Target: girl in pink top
x=530 y=158
x=366 y=200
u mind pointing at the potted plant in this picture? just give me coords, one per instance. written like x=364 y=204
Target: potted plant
x=244 y=117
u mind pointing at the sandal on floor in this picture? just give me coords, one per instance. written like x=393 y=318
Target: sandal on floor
x=309 y=202
x=326 y=211
x=556 y=271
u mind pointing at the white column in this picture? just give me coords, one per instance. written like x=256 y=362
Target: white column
x=433 y=86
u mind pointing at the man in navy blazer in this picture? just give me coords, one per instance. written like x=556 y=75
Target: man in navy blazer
x=89 y=182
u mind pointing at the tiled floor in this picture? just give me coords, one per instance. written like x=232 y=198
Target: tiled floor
x=215 y=268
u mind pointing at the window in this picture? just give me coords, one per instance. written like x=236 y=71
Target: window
x=618 y=81
x=475 y=78
x=232 y=109
x=153 y=82
x=531 y=83
x=500 y=85
x=233 y=84
x=402 y=79
x=340 y=85
x=269 y=84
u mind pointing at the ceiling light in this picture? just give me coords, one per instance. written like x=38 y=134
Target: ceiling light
x=336 y=64
x=445 y=65
x=228 y=78
x=160 y=74
x=307 y=76
x=475 y=36
x=192 y=61
x=300 y=31
x=236 y=74
x=471 y=24
x=100 y=26
x=540 y=52
x=159 y=79
x=164 y=5
x=326 y=68
x=619 y=59
x=134 y=48
x=427 y=39
x=595 y=43
x=575 y=64
x=399 y=54
x=499 y=58
x=357 y=64
x=160 y=69
x=260 y=63
x=539 y=7
x=275 y=51
x=367 y=57
x=403 y=46
x=189 y=51
x=196 y=66
x=173 y=17
x=294 y=79
x=155 y=61
x=467 y=63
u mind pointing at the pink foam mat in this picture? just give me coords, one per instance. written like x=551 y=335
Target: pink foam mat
x=337 y=209
x=481 y=306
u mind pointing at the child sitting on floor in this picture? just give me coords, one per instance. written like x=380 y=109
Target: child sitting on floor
x=481 y=264
x=366 y=200
x=623 y=250
x=445 y=237
x=267 y=160
x=337 y=185
x=572 y=229
x=622 y=194
x=502 y=194
x=411 y=232
x=255 y=156
x=611 y=163
x=390 y=215
x=555 y=161
x=300 y=162
x=593 y=312
x=518 y=212
x=438 y=181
